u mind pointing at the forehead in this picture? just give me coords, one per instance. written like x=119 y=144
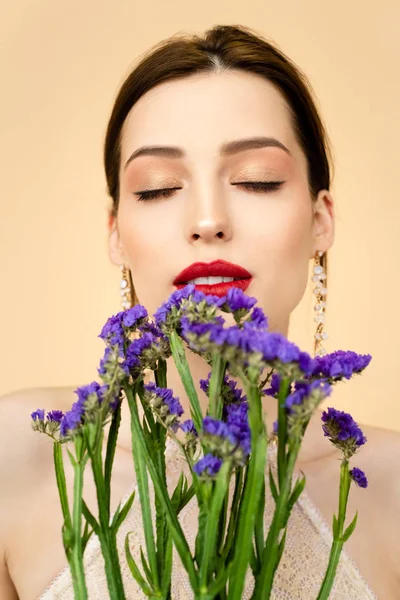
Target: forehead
x=202 y=111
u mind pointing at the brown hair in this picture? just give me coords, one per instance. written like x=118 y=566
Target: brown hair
x=223 y=47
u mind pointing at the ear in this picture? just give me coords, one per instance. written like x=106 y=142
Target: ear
x=323 y=222
x=115 y=251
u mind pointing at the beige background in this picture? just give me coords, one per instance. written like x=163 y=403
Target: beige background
x=62 y=64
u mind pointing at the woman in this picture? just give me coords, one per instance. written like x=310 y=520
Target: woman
x=214 y=151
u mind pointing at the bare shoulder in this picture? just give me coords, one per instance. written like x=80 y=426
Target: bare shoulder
x=380 y=459
x=26 y=462
x=24 y=452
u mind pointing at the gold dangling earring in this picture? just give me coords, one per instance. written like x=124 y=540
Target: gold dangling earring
x=320 y=290
x=126 y=292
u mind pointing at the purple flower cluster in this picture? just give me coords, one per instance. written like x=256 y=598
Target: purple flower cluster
x=229 y=392
x=341 y=364
x=359 y=477
x=117 y=327
x=49 y=424
x=208 y=467
x=237 y=420
x=239 y=304
x=124 y=357
x=237 y=301
x=257 y=319
x=165 y=406
x=143 y=353
x=85 y=409
x=342 y=431
x=275 y=384
x=245 y=346
x=182 y=302
x=303 y=391
x=231 y=437
x=189 y=428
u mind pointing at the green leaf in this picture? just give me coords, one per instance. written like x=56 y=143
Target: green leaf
x=86 y=536
x=179 y=356
x=134 y=568
x=72 y=458
x=61 y=483
x=161 y=490
x=210 y=541
x=335 y=527
x=110 y=452
x=272 y=485
x=233 y=514
x=259 y=523
x=214 y=392
x=350 y=529
x=145 y=565
x=281 y=547
x=298 y=488
x=254 y=564
x=248 y=507
x=90 y=518
x=219 y=582
x=167 y=571
x=121 y=514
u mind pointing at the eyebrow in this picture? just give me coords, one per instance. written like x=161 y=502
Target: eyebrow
x=227 y=149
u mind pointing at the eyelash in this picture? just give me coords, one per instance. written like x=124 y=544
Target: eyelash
x=260 y=186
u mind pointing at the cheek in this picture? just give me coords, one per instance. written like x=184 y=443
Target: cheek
x=147 y=237
x=280 y=251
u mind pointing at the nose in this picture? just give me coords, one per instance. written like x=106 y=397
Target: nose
x=208 y=219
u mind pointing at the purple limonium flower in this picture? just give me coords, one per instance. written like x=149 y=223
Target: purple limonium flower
x=227 y=439
x=237 y=420
x=229 y=392
x=257 y=319
x=187 y=302
x=208 y=466
x=38 y=414
x=38 y=423
x=143 y=353
x=55 y=415
x=166 y=407
x=188 y=427
x=340 y=365
x=113 y=332
x=167 y=316
x=134 y=317
x=301 y=403
x=275 y=384
x=192 y=435
x=85 y=409
x=342 y=431
x=237 y=303
x=304 y=390
x=359 y=477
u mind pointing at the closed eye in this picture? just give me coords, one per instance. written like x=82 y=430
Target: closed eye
x=257 y=186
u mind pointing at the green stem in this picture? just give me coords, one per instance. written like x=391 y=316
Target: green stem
x=251 y=495
x=217 y=377
x=329 y=578
x=179 y=356
x=72 y=528
x=106 y=537
x=282 y=429
x=264 y=580
x=161 y=491
x=337 y=543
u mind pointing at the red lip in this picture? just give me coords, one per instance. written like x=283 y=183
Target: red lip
x=217 y=268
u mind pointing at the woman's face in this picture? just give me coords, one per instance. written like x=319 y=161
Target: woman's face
x=271 y=233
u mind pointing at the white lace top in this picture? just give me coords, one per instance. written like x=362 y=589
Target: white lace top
x=298 y=576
